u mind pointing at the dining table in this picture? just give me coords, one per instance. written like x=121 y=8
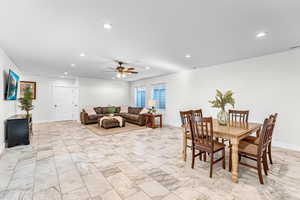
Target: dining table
x=234 y=132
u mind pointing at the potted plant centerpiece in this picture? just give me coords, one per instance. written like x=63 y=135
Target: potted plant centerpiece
x=26 y=101
x=221 y=100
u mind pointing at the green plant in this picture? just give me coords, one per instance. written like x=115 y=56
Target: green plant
x=26 y=101
x=222 y=100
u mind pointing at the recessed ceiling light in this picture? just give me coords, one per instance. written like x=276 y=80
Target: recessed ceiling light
x=147 y=68
x=73 y=65
x=65 y=73
x=82 y=54
x=188 y=56
x=261 y=34
x=107 y=26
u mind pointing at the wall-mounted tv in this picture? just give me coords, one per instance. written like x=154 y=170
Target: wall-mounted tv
x=12 y=86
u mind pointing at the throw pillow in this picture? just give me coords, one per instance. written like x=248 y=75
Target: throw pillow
x=111 y=110
x=144 y=111
x=124 y=109
x=90 y=111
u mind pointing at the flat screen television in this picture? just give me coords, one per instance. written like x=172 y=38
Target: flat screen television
x=12 y=86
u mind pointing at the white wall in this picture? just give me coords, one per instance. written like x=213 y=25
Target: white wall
x=263 y=85
x=100 y=92
x=7 y=108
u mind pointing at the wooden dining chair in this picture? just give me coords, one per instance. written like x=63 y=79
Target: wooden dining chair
x=258 y=152
x=255 y=139
x=197 y=114
x=203 y=140
x=184 y=115
x=238 y=116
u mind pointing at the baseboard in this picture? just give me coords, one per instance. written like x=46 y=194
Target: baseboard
x=286 y=146
x=48 y=121
x=42 y=121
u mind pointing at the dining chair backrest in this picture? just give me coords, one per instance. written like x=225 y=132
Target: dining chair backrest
x=184 y=117
x=265 y=135
x=202 y=131
x=197 y=114
x=273 y=119
x=240 y=116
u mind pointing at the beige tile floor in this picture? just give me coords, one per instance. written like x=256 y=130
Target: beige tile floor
x=66 y=161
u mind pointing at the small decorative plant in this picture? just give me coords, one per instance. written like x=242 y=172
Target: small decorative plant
x=221 y=100
x=26 y=101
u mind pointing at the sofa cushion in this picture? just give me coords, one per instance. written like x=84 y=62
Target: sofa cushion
x=131 y=116
x=134 y=110
x=124 y=109
x=93 y=117
x=144 y=111
x=98 y=110
x=106 y=110
x=118 y=109
x=90 y=111
x=111 y=110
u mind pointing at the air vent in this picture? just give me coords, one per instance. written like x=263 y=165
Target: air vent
x=295 y=47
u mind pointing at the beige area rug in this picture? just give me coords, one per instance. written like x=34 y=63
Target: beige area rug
x=102 y=131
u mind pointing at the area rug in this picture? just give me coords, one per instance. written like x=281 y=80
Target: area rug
x=111 y=131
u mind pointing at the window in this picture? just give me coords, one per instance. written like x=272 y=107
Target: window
x=140 y=97
x=159 y=96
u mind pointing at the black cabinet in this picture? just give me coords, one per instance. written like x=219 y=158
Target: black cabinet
x=18 y=130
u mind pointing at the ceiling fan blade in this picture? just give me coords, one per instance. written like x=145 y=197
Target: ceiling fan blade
x=132 y=72
x=130 y=68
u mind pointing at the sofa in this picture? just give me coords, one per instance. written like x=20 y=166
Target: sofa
x=133 y=116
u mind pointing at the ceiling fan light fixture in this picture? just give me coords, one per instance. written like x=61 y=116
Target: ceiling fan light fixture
x=123 y=75
x=119 y=75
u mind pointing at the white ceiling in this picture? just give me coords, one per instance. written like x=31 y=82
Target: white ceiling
x=46 y=36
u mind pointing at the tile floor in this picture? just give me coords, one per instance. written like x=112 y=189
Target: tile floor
x=67 y=161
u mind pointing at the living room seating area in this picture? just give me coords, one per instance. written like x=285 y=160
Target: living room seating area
x=130 y=114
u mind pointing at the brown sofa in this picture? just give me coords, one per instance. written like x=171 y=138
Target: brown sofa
x=132 y=116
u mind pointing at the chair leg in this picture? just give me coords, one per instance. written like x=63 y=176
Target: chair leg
x=211 y=164
x=223 y=161
x=184 y=146
x=204 y=157
x=270 y=154
x=193 y=158
x=265 y=163
x=261 y=180
x=200 y=156
x=230 y=159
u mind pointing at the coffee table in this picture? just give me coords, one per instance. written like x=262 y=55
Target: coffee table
x=111 y=122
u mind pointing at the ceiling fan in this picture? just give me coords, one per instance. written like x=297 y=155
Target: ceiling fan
x=123 y=71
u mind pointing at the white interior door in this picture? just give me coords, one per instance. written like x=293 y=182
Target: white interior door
x=65 y=103
x=75 y=94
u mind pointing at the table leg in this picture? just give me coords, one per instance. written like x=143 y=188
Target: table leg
x=184 y=145
x=235 y=160
x=160 y=121
x=147 y=119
